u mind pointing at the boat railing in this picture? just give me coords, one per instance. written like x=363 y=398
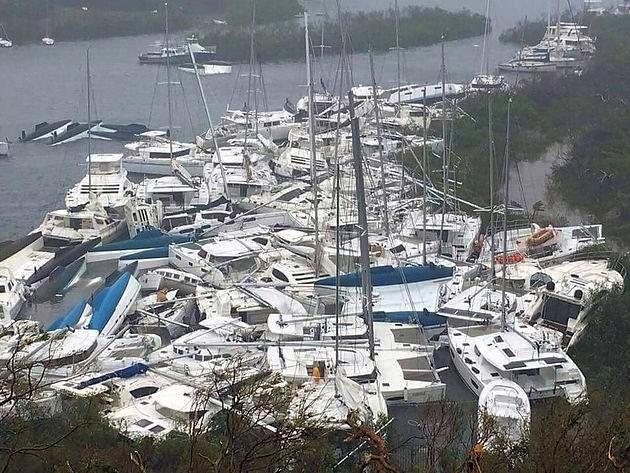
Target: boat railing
x=600 y=251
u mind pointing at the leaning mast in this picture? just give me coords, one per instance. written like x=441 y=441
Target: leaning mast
x=313 y=147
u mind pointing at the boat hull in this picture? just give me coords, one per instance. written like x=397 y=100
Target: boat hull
x=161 y=166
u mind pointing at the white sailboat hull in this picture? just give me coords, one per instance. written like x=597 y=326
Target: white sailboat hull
x=161 y=166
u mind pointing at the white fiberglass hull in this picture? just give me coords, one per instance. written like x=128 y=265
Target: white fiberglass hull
x=161 y=166
x=122 y=308
x=527 y=67
x=55 y=132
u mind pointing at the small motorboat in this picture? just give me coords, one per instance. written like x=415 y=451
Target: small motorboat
x=4 y=149
x=504 y=412
x=46 y=41
x=527 y=66
x=5 y=42
x=45 y=130
x=208 y=69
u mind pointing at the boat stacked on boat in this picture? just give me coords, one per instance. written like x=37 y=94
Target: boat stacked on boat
x=297 y=252
x=563 y=46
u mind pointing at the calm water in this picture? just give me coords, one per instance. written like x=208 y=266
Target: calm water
x=38 y=84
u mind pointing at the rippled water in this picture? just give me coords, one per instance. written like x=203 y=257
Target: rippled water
x=38 y=83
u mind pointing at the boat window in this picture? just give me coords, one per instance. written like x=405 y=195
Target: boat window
x=291 y=195
x=3 y=289
x=261 y=240
x=397 y=249
x=477 y=352
x=156 y=429
x=494 y=375
x=498 y=339
x=143 y=391
x=475 y=370
x=468 y=361
x=279 y=275
x=203 y=253
x=143 y=423
x=472 y=381
x=509 y=352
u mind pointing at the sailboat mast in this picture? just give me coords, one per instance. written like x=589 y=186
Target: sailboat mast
x=342 y=63
x=491 y=170
x=379 y=137
x=311 y=132
x=217 y=150
x=424 y=176
x=506 y=198
x=168 y=83
x=444 y=148
x=397 y=15
x=89 y=122
x=485 y=39
x=366 y=277
x=251 y=71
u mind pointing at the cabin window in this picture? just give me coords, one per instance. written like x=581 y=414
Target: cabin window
x=279 y=275
x=509 y=352
x=475 y=370
x=3 y=289
x=397 y=249
x=143 y=391
x=143 y=423
x=472 y=381
x=156 y=429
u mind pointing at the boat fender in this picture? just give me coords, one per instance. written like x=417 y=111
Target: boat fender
x=316 y=375
x=512 y=258
x=539 y=237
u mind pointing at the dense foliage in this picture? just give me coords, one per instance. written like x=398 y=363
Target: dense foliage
x=588 y=113
x=25 y=20
x=525 y=33
x=239 y=12
x=285 y=40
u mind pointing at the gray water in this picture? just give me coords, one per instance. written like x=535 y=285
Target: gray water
x=44 y=84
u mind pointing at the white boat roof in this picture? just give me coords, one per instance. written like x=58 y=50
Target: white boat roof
x=104 y=158
x=505 y=399
x=177 y=398
x=509 y=351
x=167 y=184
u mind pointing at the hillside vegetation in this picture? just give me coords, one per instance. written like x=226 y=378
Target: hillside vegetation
x=25 y=20
x=285 y=40
x=590 y=113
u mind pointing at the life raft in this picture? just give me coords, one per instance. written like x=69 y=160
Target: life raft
x=540 y=236
x=511 y=258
